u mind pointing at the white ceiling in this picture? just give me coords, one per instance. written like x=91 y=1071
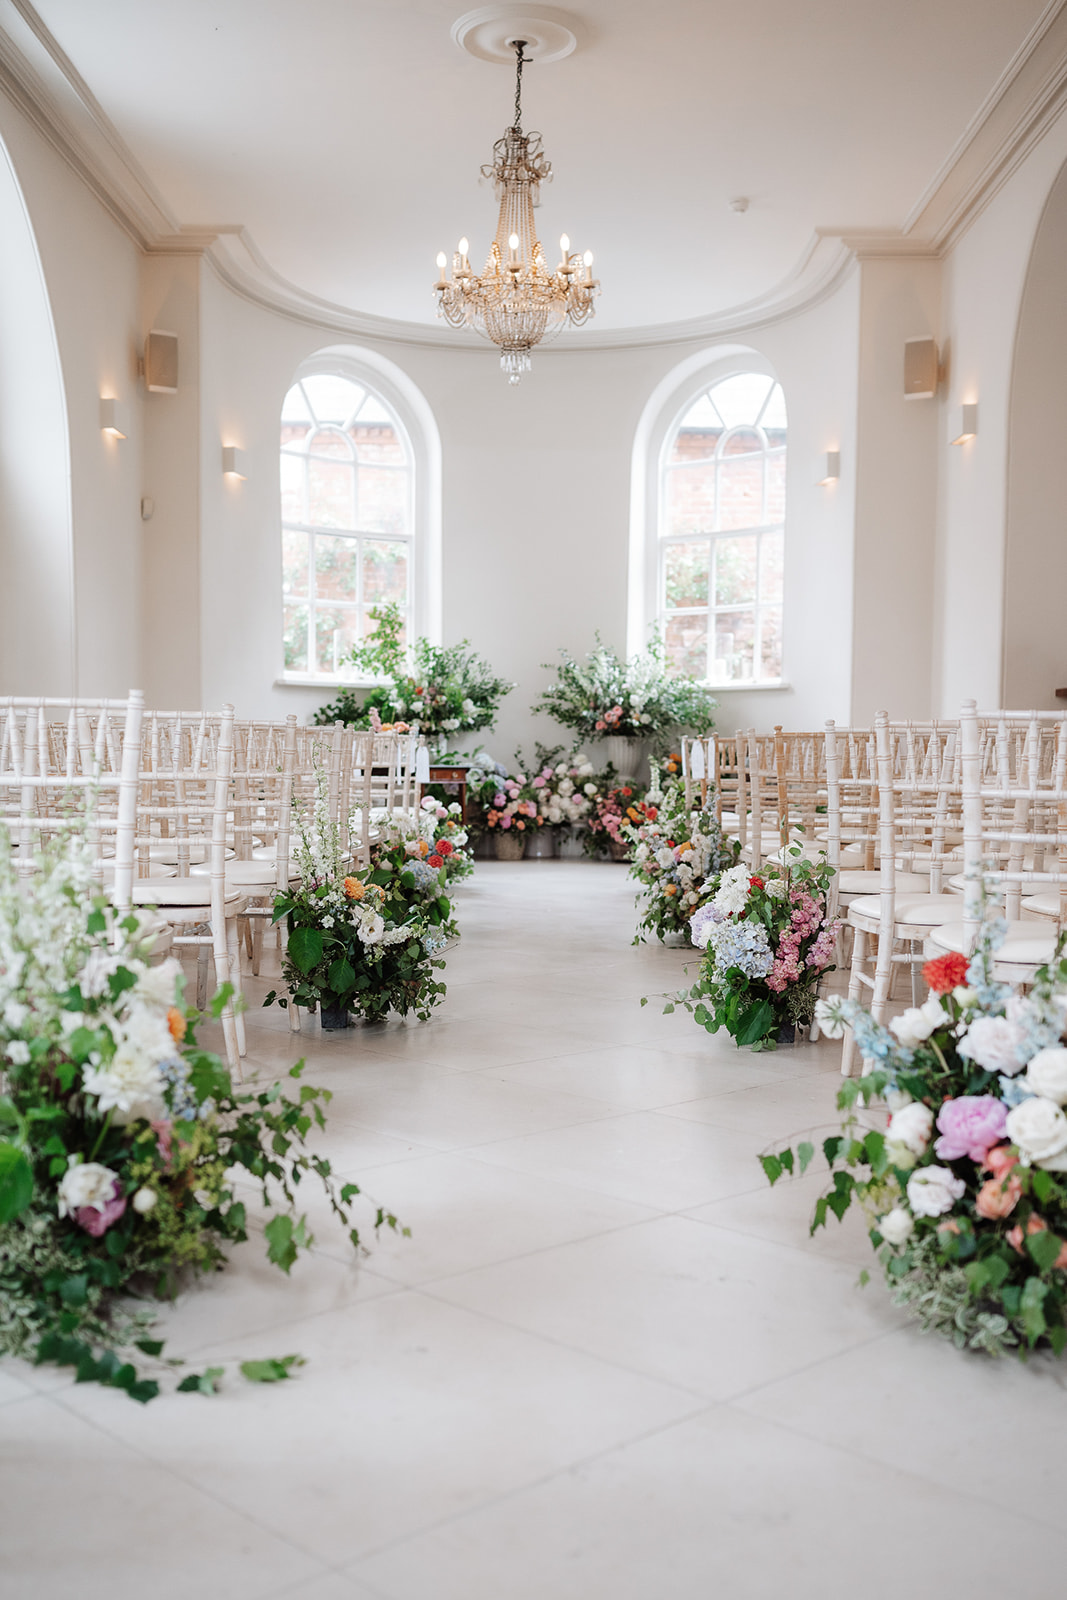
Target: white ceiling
x=346 y=135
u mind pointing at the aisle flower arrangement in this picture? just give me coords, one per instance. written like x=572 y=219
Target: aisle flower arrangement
x=604 y=695
x=965 y=1188
x=503 y=802
x=768 y=939
x=563 y=786
x=120 y=1137
x=446 y=690
x=616 y=808
x=365 y=943
x=678 y=857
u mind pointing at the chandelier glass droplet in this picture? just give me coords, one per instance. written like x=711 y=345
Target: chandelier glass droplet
x=517 y=301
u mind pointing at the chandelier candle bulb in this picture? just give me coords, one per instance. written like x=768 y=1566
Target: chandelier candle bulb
x=588 y=266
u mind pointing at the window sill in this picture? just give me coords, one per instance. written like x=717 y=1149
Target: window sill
x=747 y=688
x=311 y=680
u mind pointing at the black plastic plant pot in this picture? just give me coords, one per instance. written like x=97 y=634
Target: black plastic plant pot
x=787 y=1033
x=333 y=1017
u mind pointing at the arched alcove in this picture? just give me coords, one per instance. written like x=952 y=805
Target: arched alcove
x=37 y=643
x=1035 y=576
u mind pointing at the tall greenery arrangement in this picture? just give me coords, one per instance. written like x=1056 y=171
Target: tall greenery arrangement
x=445 y=689
x=603 y=695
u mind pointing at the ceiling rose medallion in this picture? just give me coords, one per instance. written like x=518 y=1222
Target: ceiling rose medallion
x=517 y=301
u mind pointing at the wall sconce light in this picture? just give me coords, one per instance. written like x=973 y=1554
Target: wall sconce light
x=829 y=467
x=113 y=418
x=962 y=423
x=233 y=462
x=922 y=369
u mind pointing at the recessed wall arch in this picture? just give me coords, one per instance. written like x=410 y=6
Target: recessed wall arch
x=37 y=617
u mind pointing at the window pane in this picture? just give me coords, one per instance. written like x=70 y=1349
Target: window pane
x=385 y=571
x=295 y=637
x=741 y=399
x=690 y=506
x=772 y=643
x=295 y=563
x=378 y=444
x=330 y=443
x=331 y=494
x=735 y=571
x=774 y=412
x=332 y=399
x=383 y=500
x=686 y=574
x=686 y=644
x=770 y=577
x=293 y=489
x=733 y=647
x=295 y=407
x=776 y=487
x=336 y=629
x=741 y=491
x=336 y=567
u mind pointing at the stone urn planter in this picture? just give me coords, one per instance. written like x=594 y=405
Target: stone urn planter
x=509 y=845
x=543 y=845
x=629 y=757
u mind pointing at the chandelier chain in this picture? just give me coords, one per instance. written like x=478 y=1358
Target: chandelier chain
x=520 y=61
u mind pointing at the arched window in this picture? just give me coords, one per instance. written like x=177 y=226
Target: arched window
x=721 y=522
x=347 y=519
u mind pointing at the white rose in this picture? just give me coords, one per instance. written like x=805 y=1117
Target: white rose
x=371 y=929
x=665 y=858
x=911 y=1127
x=1047 y=1074
x=1039 y=1128
x=590 y=789
x=158 y=986
x=896 y=1098
x=934 y=1190
x=18 y=1052
x=895 y=1227
x=145 y=1200
x=85 y=1183
x=919 y=1022
x=995 y=1043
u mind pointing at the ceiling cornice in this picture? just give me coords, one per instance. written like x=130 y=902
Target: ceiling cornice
x=45 y=85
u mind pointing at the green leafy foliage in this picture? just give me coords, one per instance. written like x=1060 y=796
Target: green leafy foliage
x=275 y=1369
x=603 y=694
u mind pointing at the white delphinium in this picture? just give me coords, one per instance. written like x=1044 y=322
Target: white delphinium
x=731 y=896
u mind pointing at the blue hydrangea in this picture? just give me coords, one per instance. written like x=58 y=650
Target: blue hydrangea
x=1013 y=1091
x=183 y=1103
x=744 y=945
x=433 y=940
x=426 y=877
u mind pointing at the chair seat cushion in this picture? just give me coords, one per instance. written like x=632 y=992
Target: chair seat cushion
x=1044 y=905
x=910 y=911
x=164 y=892
x=909 y=883
x=242 y=874
x=1027 y=944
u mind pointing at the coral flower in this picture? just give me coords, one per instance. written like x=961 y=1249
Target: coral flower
x=1000 y=1160
x=177 y=1024
x=998 y=1198
x=756 y=883
x=424 y=848
x=435 y=861
x=946 y=973
x=671 y=889
x=1035 y=1225
x=354 y=889
x=444 y=847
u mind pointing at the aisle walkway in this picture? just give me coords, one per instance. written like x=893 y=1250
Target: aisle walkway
x=607 y=1365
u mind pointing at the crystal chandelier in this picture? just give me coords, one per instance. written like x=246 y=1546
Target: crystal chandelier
x=517 y=301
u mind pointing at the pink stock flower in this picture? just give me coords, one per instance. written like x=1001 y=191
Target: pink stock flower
x=162 y=1131
x=970 y=1125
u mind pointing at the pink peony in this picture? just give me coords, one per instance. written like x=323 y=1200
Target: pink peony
x=499 y=800
x=539 y=783
x=970 y=1125
x=97 y=1219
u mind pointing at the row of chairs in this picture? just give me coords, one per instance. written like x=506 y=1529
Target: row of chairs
x=914 y=817
x=196 y=814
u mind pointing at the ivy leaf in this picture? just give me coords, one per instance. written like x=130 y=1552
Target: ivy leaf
x=1041 y=1183
x=772 y=1167
x=273 y=1370
x=805 y=1152
x=281 y=1248
x=151 y=1347
x=16 y=1182
x=202 y=1382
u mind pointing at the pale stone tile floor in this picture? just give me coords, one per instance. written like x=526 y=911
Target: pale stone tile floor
x=609 y=1364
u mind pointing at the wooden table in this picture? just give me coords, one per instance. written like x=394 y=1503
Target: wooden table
x=454 y=780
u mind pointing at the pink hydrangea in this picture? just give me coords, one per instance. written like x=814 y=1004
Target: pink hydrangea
x=970 y=1125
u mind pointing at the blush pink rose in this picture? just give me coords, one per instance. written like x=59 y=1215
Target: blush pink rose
x=1000 y=1160
x=998 y=1198
x=1035 y=1225
x=97 y=1220
x=970 y=1125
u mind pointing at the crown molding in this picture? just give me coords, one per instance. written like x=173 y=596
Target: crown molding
x=1024 y=102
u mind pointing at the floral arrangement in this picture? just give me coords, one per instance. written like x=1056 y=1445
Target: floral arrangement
x=768 y=939
x=366 y=944
x=445 y=690
x=965 y=1188
x=504 y=801
x=120 y=1137
x=563 y=786
x=441 y=829
x=616 y=808
x=677 y=859
x=605 y=695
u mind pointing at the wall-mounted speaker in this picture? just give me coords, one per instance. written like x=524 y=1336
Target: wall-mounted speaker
x=921 y=369
x=161 y=362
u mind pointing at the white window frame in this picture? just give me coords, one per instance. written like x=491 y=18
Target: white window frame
x=417 y=429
